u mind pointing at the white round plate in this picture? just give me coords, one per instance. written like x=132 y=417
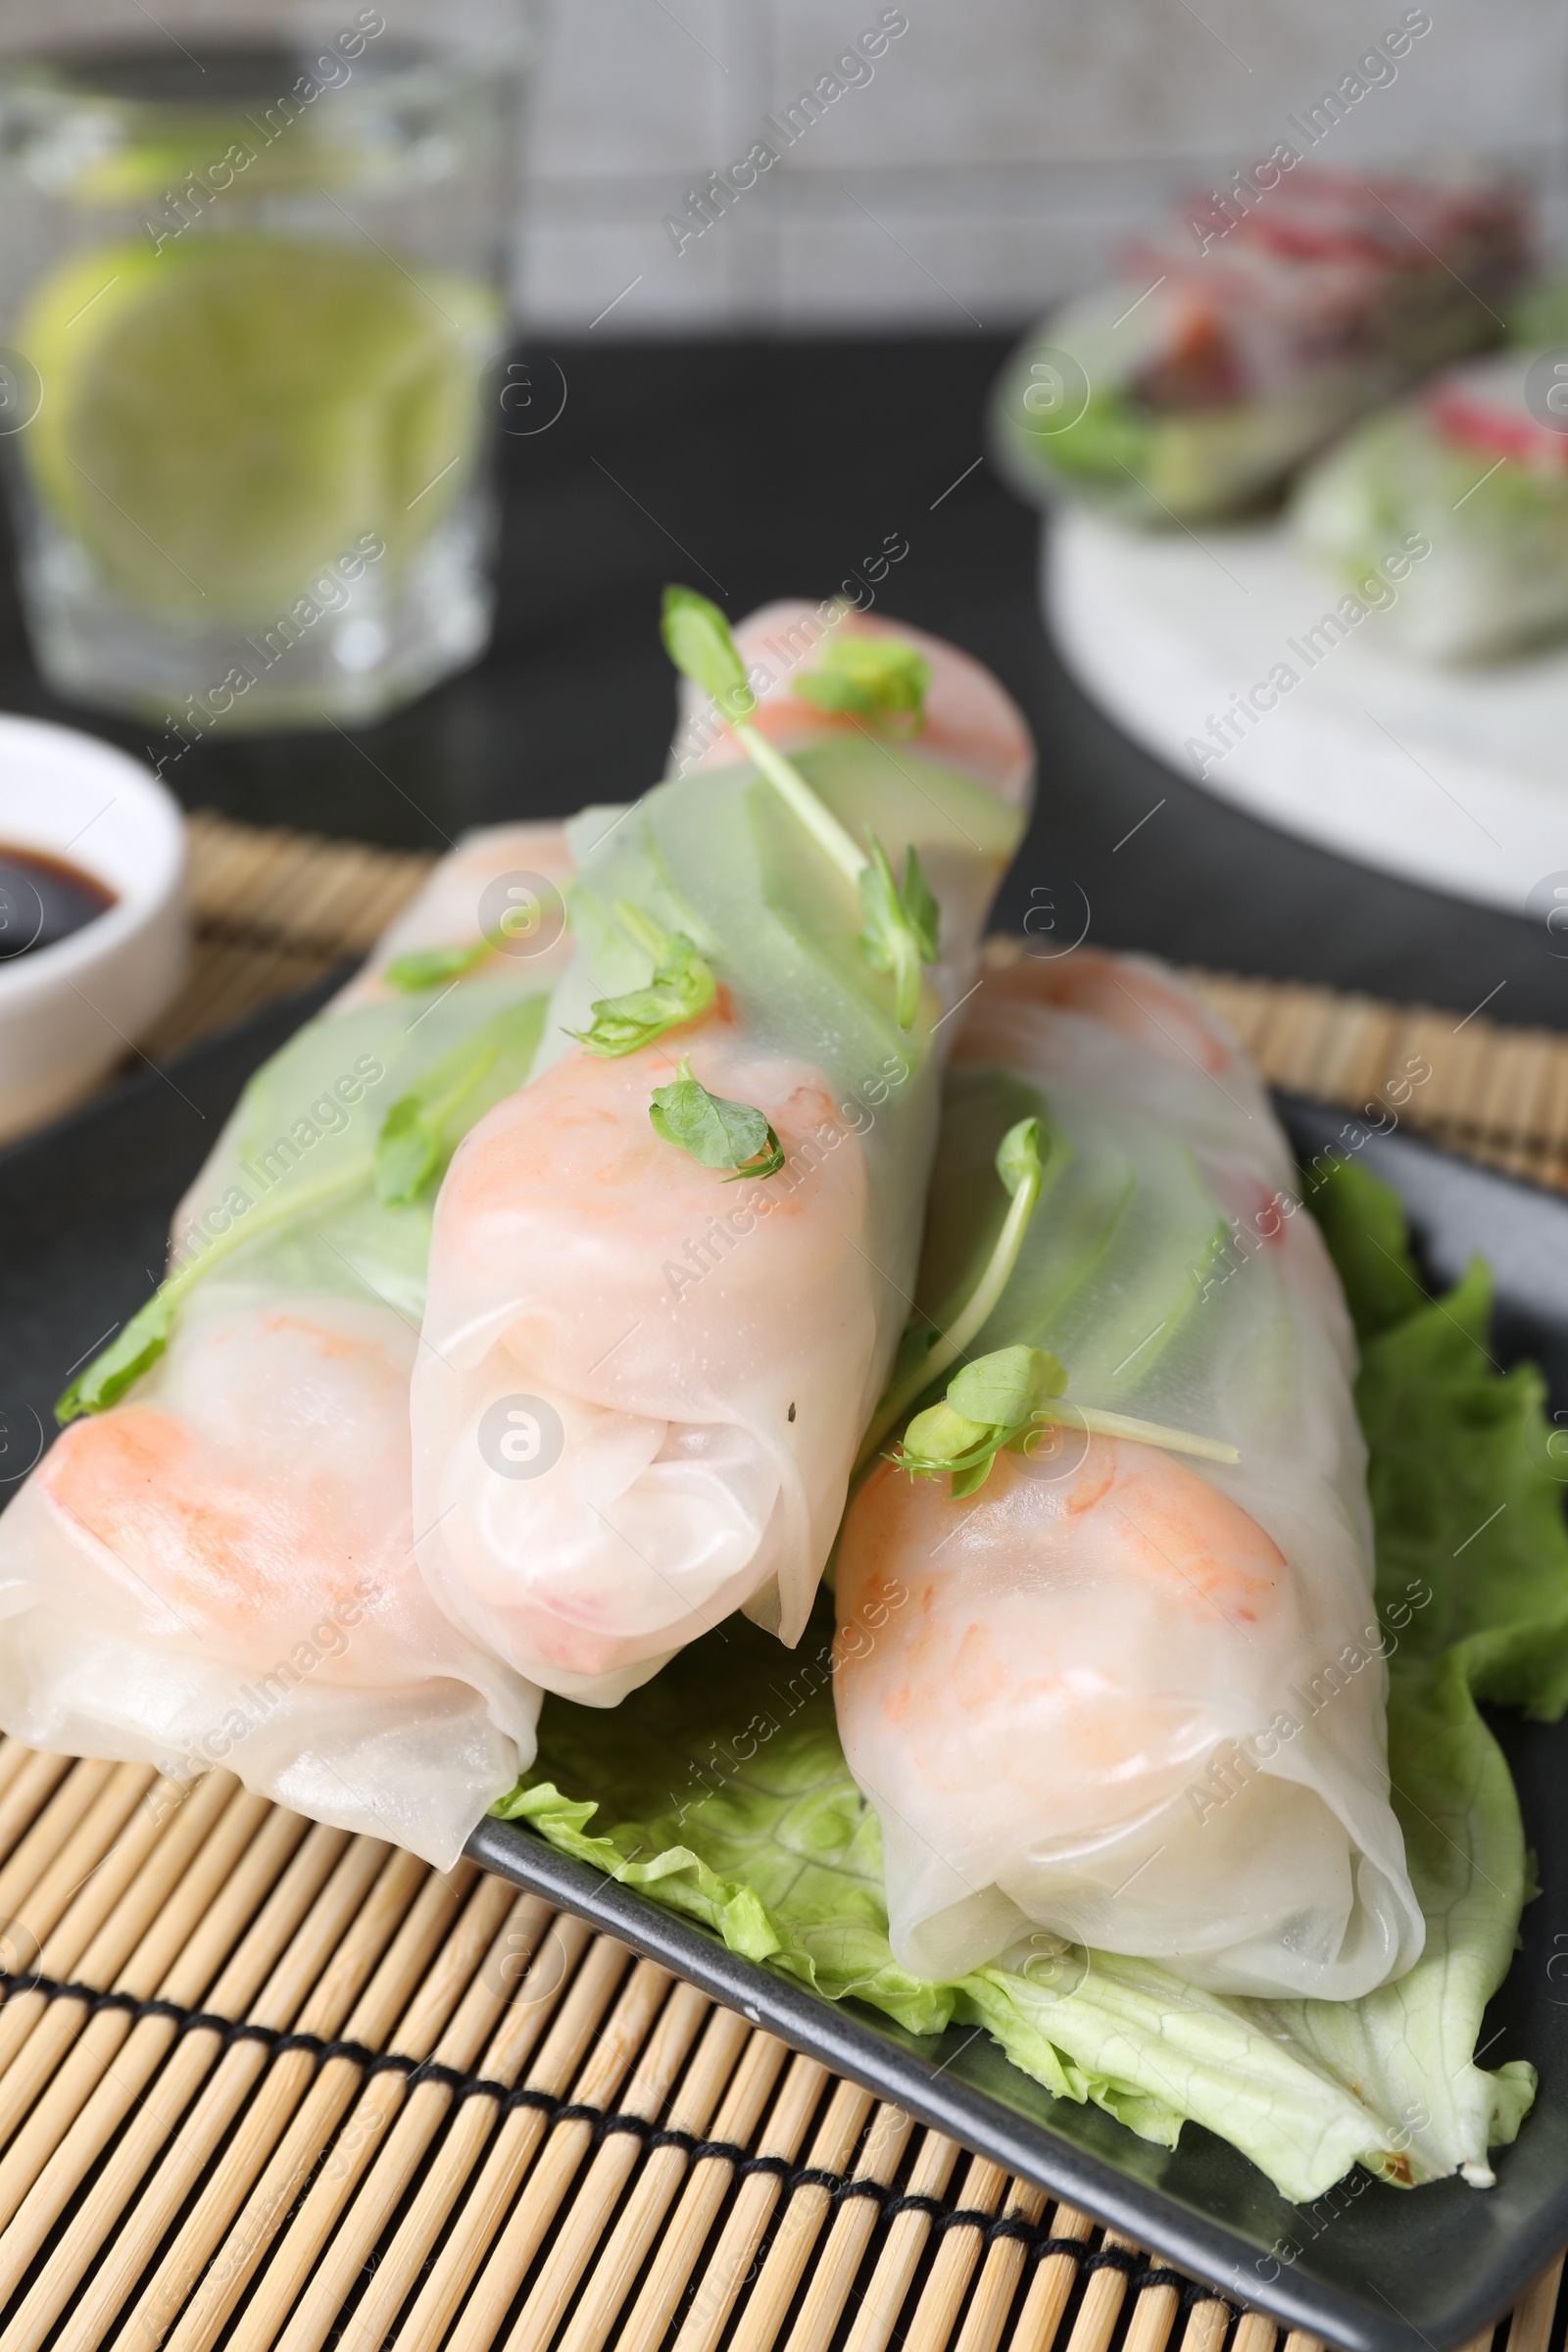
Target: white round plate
x=1456 y=779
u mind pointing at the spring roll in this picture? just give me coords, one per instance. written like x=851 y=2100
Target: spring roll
x=1099 y=1682
x=1242 y=337
x=650 y=1351
x=215 y=1563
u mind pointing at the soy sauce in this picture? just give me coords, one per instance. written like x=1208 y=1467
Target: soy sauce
x=45 y=899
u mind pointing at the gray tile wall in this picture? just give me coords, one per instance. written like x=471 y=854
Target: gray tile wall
x=987 y=159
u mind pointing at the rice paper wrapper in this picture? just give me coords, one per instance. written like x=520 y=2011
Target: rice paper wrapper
x=220 y=1569
x=643 y=1385
x=1122 y=1697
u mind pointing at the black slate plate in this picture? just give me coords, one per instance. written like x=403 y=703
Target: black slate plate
x=83 y=1210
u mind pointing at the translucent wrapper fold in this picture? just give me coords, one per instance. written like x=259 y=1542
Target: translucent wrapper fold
x=642 y=1382
x=219 y=1568
x=1118 y=1695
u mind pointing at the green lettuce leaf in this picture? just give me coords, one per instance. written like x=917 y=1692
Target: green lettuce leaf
x=722 y=1790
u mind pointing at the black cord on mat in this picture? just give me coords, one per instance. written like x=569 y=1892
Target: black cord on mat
x=891 y=2201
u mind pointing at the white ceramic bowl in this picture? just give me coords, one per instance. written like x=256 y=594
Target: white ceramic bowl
x=68 y=1012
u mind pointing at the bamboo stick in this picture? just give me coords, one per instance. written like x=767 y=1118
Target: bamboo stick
x=1103 y=2298
x=614 y=2163
x=903 y=2247
x=560 y=2160
x=1207 y=2325
x=554 y=1945
x=998 y=2283
x=623 y=2257
x=834 y=2272
x=13 y=1761
x=121 y=2076
x=264 y=2175
x=957 y=2256
x=705 y=2192
x=1154 y=2315
x=489 y=2197
x=1534 y=2313
x=758 y=2193
x=235 y=2078
x=28 y=1778
x=303 y=2247
x=801 y=2224
x=1056 y=2276
x=1256 y=2334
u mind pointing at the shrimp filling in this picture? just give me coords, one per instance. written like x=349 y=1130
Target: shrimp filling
x=1064 y=1725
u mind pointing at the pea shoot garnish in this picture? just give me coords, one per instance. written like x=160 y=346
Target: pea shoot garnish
x=899 y=925
x=717 y=1133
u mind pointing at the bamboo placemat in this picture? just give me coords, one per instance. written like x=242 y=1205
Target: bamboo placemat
x=265 y=2084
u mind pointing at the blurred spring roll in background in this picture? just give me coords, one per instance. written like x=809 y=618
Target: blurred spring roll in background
x=668 y=1275
x=215 y=1562
x=1240 y=339
x=1126 y=1691
x=1471 y=479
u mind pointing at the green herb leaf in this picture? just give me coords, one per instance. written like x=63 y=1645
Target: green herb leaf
x=719 y=1134
x=424 y=1127
x=1003 y=1401
x=921 y=912
x=682 y=986
x=124 y=1361
x=1007 y=1387
x=698 y=640
x=991 y=1403
x=877 y=679
x=429 y=967
x=1019 y=1159
x=899 y=929
x=940 y=1437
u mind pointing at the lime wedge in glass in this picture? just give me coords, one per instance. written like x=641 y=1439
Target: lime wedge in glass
x=221 y=420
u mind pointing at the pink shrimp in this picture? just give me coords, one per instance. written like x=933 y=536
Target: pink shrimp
x=1051 y=1693
x=221 y=1570
x=631 y=1293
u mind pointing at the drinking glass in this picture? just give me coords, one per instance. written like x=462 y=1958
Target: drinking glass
x=251 y=302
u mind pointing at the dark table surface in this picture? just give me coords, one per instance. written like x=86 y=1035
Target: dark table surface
x=754 y=470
